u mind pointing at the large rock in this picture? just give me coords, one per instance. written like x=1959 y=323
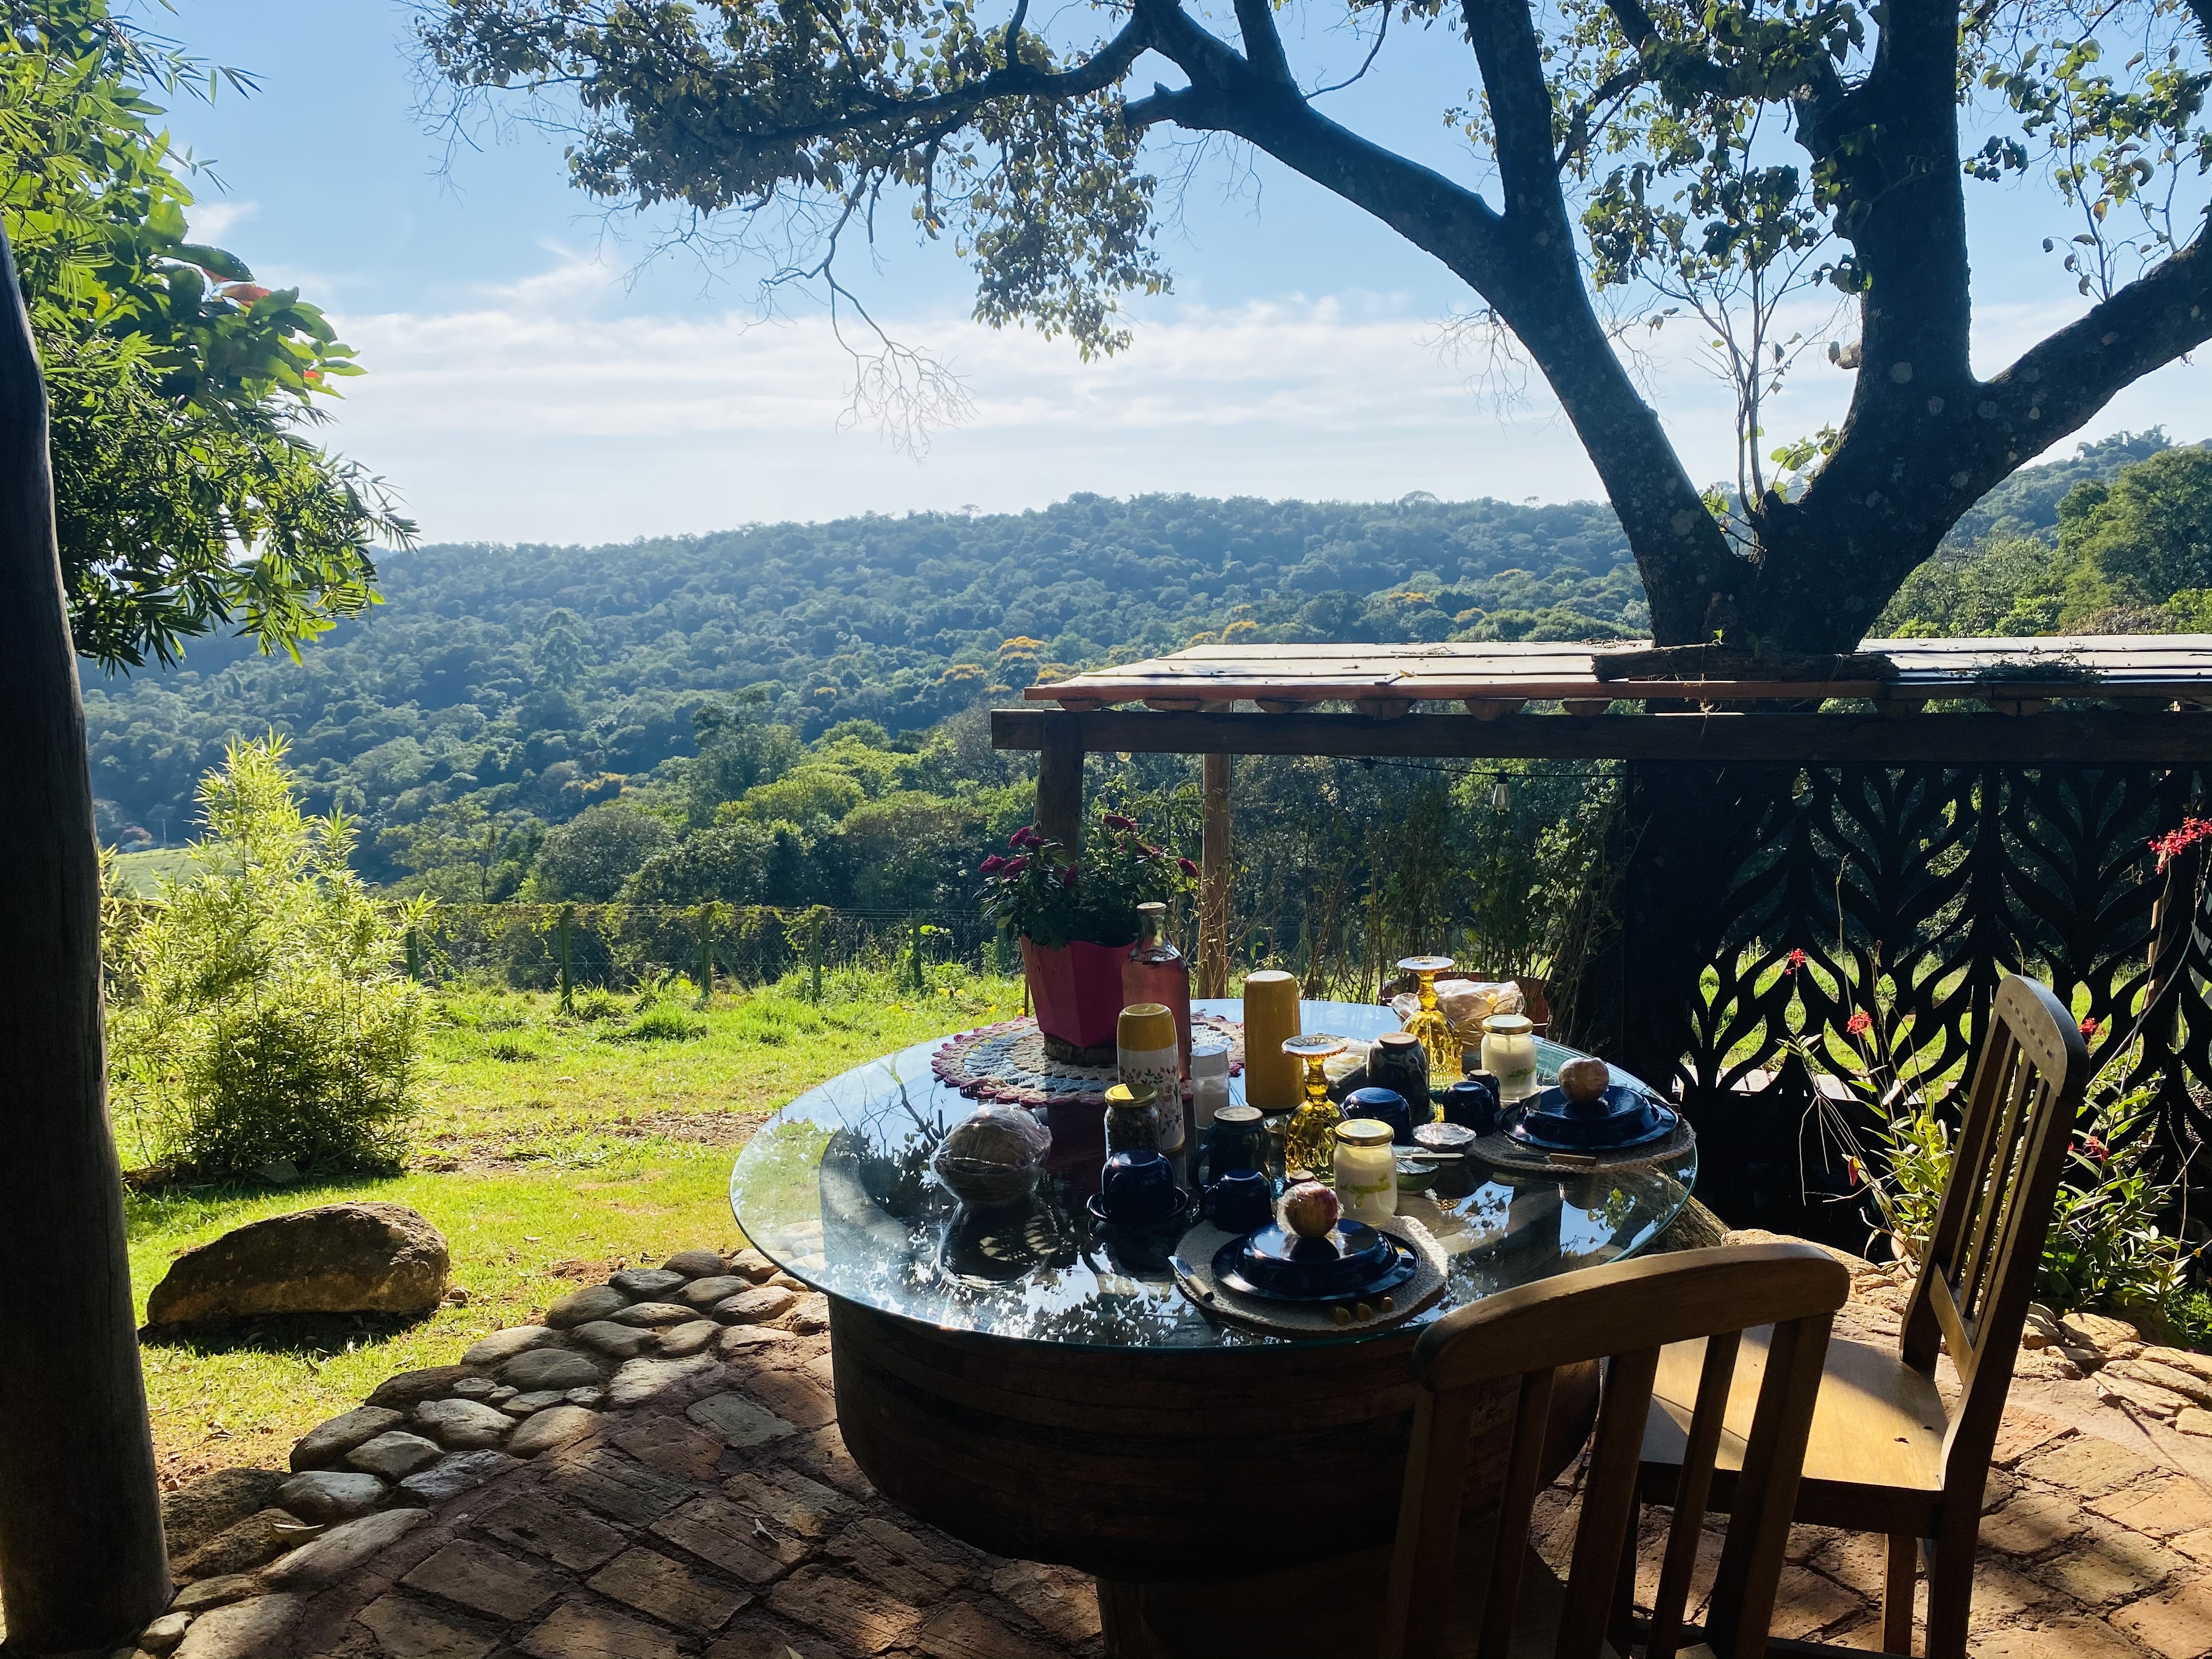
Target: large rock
x=336 y=1258
x=550 y=1368
x=325 y=1497
x=215 y=1502
x=328 y=1442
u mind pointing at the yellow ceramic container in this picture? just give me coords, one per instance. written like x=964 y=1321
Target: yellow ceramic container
x=1271 y=1015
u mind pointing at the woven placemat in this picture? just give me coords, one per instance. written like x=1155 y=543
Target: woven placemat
x=1006 y=1064
x=1296 y=1321
x=1501 y=1152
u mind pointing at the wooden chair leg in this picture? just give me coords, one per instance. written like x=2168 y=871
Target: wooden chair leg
x=1899 y=1573
x=1950 y=1596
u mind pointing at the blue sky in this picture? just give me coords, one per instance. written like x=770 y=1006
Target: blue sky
x=534 y=376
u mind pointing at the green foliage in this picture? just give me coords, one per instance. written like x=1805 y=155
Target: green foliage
x=1047 y=893
x=588 y=857
x=740 y=647
x=2107 y=1246
x=2143 y=538
x=181 y=390
x=2118 y=541
x=258 y=1010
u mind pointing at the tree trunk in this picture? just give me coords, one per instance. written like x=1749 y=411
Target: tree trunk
x=81 y=1560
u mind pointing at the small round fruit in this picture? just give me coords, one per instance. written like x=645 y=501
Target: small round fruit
x=1309 y=1209
x=1585 y=1079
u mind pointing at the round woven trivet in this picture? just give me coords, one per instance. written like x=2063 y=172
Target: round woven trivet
x=1502 y=1151
x=1295 y=1320
x=1006 y=1064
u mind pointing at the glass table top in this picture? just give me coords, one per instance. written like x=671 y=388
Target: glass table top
x=836 y=1189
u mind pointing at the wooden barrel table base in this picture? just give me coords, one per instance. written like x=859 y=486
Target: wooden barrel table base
x=1159 y=1470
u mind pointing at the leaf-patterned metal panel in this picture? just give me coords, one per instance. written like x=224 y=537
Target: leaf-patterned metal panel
x=1937 y=880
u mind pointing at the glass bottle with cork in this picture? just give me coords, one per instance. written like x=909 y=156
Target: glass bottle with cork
x=1155 y=971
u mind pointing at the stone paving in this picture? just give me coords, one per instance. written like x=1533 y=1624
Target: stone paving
x=656 y=1470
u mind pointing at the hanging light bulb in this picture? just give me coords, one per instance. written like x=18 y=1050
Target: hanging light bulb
x=1500 y=802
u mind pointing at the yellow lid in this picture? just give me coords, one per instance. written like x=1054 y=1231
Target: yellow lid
x=1145 y=1025
x=1130 y=1094
x=1363 y=1132
x=1510 y=1025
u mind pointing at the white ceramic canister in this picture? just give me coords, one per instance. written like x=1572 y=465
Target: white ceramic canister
x=1146 y=1051
x=1209 y=1079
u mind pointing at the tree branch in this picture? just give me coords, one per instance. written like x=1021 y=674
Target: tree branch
x=1263 y=42
x=1523 y=262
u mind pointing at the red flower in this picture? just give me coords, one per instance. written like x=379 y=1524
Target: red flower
x=2176 y=841
x=1115 y=821
x=2094 y=1147
x=1859 y=1024
x=1014 y=866
x=993 y=865
x=1021 y=837
x=1796 y=960
x=2088 y=1028
x=1188 y=868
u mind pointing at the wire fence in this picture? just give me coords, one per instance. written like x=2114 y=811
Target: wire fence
x=621 y=946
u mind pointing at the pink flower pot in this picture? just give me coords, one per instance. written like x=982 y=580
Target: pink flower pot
x=1076 y=989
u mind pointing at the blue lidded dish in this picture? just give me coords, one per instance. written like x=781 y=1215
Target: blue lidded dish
x=1387 y=1105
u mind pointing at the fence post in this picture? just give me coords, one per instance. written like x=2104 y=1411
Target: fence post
x=916 y=979
x=814 y=955
x=568 y=987
x=706 y=954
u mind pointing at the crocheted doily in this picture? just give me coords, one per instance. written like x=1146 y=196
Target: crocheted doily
x=1006 y=1063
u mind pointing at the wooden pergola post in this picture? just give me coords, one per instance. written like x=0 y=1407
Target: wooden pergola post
x=1060 y=783
x=1216 y=874
x=82 y=1561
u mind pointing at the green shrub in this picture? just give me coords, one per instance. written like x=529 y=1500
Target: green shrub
x=260 y=1010
x=2105 y=1248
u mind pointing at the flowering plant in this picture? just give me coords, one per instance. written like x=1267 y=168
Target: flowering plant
x=1039 y=888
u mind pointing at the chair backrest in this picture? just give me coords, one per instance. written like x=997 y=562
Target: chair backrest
x=1978 y=1267
x=1625 y=1313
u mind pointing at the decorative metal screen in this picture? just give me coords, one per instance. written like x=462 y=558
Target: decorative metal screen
x=1934 y=880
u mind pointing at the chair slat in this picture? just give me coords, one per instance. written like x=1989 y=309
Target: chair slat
x=1608 y=1501
x=1963 y=1352
x=1428 y=1513
x=1524 y=1472
x=1767 y=1489
x=1989 y=1185
x=1692 y=1492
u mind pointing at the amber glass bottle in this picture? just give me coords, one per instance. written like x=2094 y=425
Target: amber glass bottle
x=1156 y=972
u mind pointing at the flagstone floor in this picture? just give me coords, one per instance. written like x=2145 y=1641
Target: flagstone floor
x=693 y=1496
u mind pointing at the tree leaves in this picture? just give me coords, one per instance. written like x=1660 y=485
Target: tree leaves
x=187 y=495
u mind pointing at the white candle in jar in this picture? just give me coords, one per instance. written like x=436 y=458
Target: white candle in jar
x=1366 y=1170
x=1508 y=1054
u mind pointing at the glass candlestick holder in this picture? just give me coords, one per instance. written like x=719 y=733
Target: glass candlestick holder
x=1427 y=1023
x=1310 y=1141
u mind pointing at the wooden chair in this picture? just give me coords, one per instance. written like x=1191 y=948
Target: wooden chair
x=1885 y=1456
x=1627 y=1313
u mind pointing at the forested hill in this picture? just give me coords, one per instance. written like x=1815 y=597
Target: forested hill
x=532 y=681
x=548 y=673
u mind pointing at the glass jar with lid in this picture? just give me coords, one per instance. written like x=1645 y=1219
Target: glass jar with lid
x=1508 y=1054
x=1132 y=1123
x=1366 y=1170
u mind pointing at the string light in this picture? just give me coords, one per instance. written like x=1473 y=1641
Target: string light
x=1500 y=802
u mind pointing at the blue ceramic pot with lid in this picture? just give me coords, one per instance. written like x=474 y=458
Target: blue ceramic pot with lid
x=1389 y=1106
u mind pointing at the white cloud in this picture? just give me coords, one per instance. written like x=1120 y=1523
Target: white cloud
x=536 y=415
x=211 y=222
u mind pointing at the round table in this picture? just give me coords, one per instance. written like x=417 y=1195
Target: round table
x=1037 y=1386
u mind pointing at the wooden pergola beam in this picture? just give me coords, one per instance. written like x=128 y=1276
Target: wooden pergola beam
x=2156 y=738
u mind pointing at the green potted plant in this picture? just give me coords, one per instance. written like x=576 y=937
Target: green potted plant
x=1076 y=918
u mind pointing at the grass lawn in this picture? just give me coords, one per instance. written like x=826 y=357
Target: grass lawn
x=552 y=1150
